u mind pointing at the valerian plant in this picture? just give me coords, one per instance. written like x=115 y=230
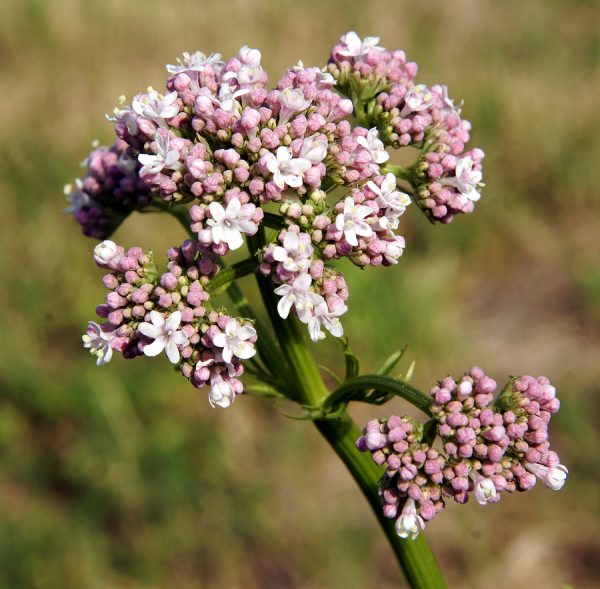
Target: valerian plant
x=300 y=175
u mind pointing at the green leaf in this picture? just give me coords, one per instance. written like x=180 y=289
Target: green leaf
x=391 y=362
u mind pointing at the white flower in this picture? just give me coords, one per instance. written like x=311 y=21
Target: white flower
x=228 y=224
x=76 y=196
x=105 y=252
x=295 y=253
x=234 y=341
x=196 y=62
x=485 y=490
x=355 y=46
x=352 y=221
x=394 y=249
x=227 y=99
x=98 y=343
x=155 y=106
x=221 y=394
x=314 y=148
x=164 y=157
x=467 y=180
x=292 y=101
x=409 y=523
x=418 y=98
x=286 y=169
x=322 y=316
x=299 y=295
x=374 y=146
x=165 y=335
x=553 y=477
x=393 y=201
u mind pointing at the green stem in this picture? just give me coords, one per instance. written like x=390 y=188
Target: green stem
x=359 y=384
x=414 y=556
x=225 y=277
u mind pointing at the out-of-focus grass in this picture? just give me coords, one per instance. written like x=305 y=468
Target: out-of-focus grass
x=124 y=477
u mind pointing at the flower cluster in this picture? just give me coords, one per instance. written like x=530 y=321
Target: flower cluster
x=488 y=446
x=237 y=156
x=110 y=190
x=148 y=313
x=446 y=178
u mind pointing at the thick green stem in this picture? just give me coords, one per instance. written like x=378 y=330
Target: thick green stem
x=303 y=373
x=414 y=556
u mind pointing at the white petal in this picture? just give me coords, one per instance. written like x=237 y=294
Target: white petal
x=173 y=321
x=156 y=347
x=157 y=319
x=150 y=330
x=172 y=352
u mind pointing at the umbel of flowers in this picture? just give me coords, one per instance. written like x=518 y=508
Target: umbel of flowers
x=307 y=158
x=310 y=151
x=488 y=446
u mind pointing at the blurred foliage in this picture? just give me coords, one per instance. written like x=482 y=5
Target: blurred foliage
x=124 y=477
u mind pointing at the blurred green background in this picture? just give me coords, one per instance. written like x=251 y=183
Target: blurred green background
x=124 y=477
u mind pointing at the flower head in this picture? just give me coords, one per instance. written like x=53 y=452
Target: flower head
x=164 y=158
x=165 y=335
x=234 y=341
x=298 y=295
x=228 y=224
x=286 y=169
x=296 y=252
x=221 y=394
x=352 y=221
x=410 y=523
x=98 y=342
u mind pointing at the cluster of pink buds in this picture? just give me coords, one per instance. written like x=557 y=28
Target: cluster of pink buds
x=148 y=313
x=488 y=446
x=236 y=156
x=446 y=179
x=109 y=192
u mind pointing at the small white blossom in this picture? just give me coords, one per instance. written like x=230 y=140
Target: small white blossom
x=485 y=491
x=314 y=148
x=410 y=523
x=155 y=106
x=394 y=249
x=165 y=334
x=298 y=295
x=286 y=169
x=322 y=316
x=356 y=47
x=467 y=180
x=393 y=201
x=295 y=253
x=98 y=343
x=553 y=477
x=221 y=394
x=234 y=341
x=228 y=99
x=105 y=252
x=165 y=158
x=417 y=99
x=374 y=146
x=352 y=221
x=196 y=62
x=228 y=224
x=292 y=101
